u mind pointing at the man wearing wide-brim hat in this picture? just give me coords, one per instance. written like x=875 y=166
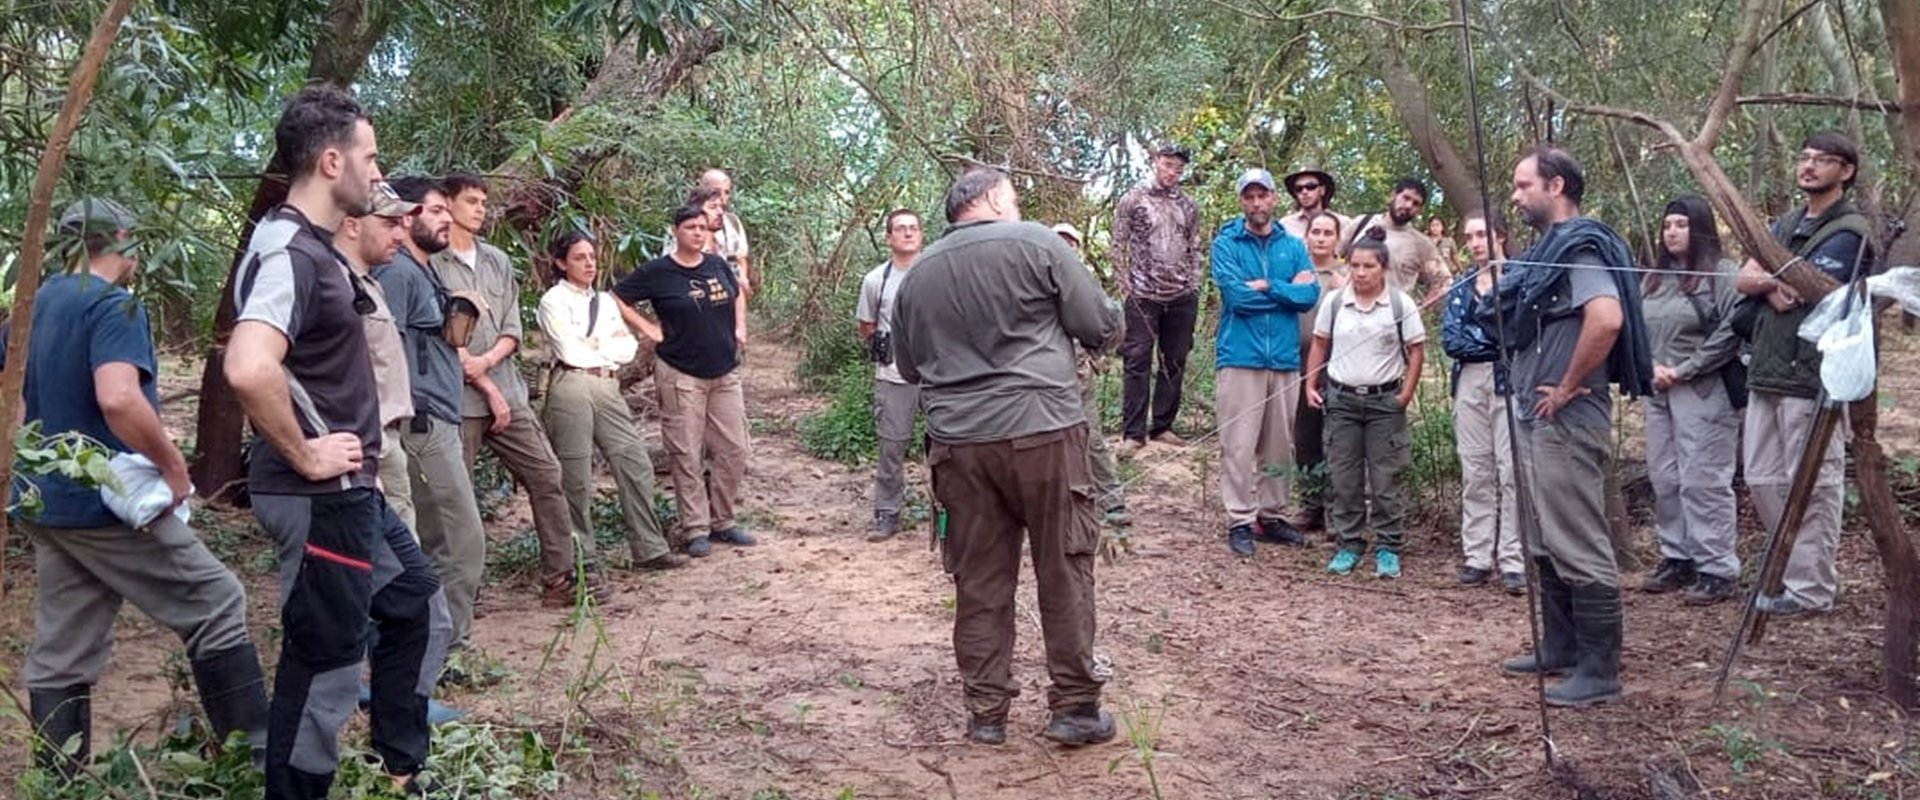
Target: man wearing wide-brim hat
x=1312 y=190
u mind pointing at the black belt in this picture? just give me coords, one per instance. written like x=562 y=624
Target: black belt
x=1383 y=388
x=602 y=372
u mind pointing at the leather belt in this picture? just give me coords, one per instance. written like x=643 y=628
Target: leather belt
x=1363 y=391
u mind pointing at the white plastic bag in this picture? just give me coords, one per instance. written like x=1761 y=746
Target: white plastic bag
x=1846 y=350
x=144 y=494
x=1900 y=284
x=1828 y=311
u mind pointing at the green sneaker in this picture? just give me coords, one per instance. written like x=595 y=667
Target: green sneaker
x=1343 y=562
x=1386 y=564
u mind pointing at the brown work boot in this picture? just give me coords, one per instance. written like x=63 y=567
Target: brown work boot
x=563 y=591
x=664 y=561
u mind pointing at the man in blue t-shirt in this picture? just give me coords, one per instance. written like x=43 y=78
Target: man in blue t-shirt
x=90 y=370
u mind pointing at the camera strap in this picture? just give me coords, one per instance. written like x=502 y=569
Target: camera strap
x=880 y=298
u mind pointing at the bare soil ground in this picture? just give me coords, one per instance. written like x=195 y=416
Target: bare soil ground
x=818 y=665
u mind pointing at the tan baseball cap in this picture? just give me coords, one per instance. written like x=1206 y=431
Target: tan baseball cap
x=387 y=202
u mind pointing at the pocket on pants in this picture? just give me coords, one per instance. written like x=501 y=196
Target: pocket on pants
x=938 y=454
x=1083 y=519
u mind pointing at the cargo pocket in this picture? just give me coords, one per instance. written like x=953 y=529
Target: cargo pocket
x=1081 y=517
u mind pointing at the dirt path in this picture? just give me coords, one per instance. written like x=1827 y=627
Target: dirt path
x=818 y=665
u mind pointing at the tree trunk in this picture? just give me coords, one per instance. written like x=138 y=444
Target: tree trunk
x=1453 y=171
x=1902 y=18
x=33 y=245
x=219 y=464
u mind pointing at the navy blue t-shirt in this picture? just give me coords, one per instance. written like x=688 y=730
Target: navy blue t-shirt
x=81 y=322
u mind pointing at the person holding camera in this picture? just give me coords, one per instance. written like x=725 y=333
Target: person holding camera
x=895 y=401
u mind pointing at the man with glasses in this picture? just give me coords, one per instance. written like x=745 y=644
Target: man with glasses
x=896 y=402
x=1312 y=190
x=1784 y=376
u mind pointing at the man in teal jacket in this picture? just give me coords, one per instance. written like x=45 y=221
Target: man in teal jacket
x=1265 y=283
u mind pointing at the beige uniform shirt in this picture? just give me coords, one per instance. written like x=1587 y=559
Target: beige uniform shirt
x=389 y=355
x=493 y=279
x=1363 y=348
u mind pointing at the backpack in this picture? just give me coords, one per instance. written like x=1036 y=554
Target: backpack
x=1399 y=319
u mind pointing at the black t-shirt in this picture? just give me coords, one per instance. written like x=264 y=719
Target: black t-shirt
x=695 y=307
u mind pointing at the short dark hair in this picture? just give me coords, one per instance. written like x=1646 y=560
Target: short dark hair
x=898 y=213
x=456 y=182
x=1835 y=143
x=972 y=186
x=98 y=242
x=1410 y=183
x=314 y=119
x=687 y=212
x=701 y=194
x=414 y=188
x=564 y=243
x=1551 y=162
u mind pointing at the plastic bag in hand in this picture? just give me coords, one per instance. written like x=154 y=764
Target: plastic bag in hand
x=143 y=494
x=1846 y=350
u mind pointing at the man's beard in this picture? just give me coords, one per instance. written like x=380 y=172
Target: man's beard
x=1536 y=218
x=423 y=238
x=1259 y=219
x=354 y=204
x=1395 y=215
x=1817 y=188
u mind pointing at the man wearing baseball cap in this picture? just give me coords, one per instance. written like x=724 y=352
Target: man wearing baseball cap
x=370 y=241
x=90 y=370
x=1156 y=251
x=1312 y=191
x=1265 y=282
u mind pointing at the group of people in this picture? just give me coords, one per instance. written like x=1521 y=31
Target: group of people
x=377 y=347
x=376 y=351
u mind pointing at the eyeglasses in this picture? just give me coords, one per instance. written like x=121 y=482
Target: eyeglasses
x=1823 y=159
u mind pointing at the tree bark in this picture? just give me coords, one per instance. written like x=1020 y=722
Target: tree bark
x=1902 y=19
x=33 y=246
x=349 y=36
x=1453 y=171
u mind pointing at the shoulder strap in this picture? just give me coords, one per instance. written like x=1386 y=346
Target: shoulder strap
x=1354 y=235
x=881 y=296
x=1399 y=321
x=593 y=312
x=1699 y=307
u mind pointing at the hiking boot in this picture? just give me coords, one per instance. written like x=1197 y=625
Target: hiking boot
x=1240 y=540
x=1673 y=574
x=1117 y=517
x=1472 y=576
x=1081 y=725
x=1709 y=589
x=1170 y=439
x=1274 y=530
x=59 y=716
x=1343 y=562
x=736 y=537
x=982 y=730
x=699 y=547
x=1386 y=564
x=563 y=591
x=1514 y=583
x=1558 y=649
x=885 y=525
x=1597 y=630
x=233 y=692
x=1783 y=606
x=664 y=561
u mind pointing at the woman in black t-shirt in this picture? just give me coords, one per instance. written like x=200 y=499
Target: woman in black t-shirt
x=703 y=415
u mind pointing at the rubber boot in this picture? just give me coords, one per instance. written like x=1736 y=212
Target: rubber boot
x=233 y=692
x=59 y=715
x=1559 y=650
x=1597 y=623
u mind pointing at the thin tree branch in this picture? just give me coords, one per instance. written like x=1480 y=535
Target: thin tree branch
x=1744 y=46
x=1398 y=25
x=1826 y=100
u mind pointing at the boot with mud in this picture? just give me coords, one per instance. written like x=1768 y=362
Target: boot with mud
x=1597 y=623
x=1081 y=725
x=987 y=730
x=60 y=715
x=233 y=692
x=1559 y=650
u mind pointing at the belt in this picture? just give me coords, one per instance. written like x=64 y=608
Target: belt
x=1383 y=388
x=598 y=372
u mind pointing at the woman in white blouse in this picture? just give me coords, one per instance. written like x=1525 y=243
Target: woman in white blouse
x=583 y=408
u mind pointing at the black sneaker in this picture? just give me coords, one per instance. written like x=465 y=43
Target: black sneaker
x=1709 y=589
x=1240 y=540
x=1274 y=530
x=1673 y=574
x=1514 y=583
x=1472 y=576
x=1081 y=725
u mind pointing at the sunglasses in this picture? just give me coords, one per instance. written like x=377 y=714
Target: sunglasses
x=1305 y=186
